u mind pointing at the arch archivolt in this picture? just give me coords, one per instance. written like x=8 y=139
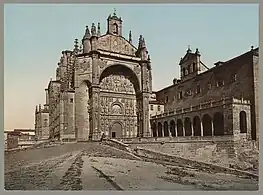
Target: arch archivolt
x=132 y=71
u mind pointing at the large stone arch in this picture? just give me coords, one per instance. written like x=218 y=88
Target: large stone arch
x=119 y=75
x=123 y=70
x=116 y=129
x=165 y=129
x=207 y=125
x=218 y=122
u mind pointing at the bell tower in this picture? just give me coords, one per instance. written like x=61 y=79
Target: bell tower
x=114 y=24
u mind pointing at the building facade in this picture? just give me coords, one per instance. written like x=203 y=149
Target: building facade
x=219 y=101
x=103 y=85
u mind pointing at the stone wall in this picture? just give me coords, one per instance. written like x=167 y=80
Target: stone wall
x=220 y=150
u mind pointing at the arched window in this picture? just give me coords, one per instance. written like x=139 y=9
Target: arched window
x=115 y=28
x=243 y=122
x=45 y=122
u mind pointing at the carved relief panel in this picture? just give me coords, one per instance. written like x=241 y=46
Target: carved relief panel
x=116 y=44
x=85 y=65
x=117 y=83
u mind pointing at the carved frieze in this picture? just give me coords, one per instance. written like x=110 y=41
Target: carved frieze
x=117 y=83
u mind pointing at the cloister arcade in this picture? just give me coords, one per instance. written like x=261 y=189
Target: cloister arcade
x=206 y=125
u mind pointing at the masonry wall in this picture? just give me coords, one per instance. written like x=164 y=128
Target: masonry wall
x=45 y=125
x=69 y=116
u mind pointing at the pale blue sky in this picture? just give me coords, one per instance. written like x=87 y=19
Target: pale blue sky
x=36 y=34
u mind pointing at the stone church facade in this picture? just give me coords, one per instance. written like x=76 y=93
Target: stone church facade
x=103 y=85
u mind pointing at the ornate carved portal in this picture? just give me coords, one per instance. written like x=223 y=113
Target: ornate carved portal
x=118 y=106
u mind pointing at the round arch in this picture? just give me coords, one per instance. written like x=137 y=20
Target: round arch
x=207 y=125
x=180 y=127
x=172 y=128
x=123 y=70
x=197 y=126
x=116 y=129
x=243 y=122
x=188 y=126
x=165 y=128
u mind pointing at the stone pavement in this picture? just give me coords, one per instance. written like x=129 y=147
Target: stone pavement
x=93 y=166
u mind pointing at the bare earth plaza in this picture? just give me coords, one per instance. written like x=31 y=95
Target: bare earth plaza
x=102 y=127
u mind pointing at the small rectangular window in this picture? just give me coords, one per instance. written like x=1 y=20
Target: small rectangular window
x=71 y=100
x=151 y=107
x=198 y=89
x=159 y=107
x=166 y=100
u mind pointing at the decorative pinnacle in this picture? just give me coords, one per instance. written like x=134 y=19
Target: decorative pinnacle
x=76 y=44
x=87 y=33
x=140 y=41
x=252 y=47
x=149 y=58
x=98 y=29
x=130 y=37
x=93 y=29
x=114 y=13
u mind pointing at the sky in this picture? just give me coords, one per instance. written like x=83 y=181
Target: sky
x=35 y=35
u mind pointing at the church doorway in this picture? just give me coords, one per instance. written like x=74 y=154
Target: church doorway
x=116 y=130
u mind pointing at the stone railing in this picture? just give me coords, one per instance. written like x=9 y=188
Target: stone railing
x=205 y=105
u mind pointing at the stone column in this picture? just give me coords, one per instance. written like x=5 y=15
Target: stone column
x=202 y=128
x=183 y=130
x=145 y=115
x=169 y=130
x=95 y=97
x=95 y=113
x=175 y=128
x=212 y=127
x=192 y=129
